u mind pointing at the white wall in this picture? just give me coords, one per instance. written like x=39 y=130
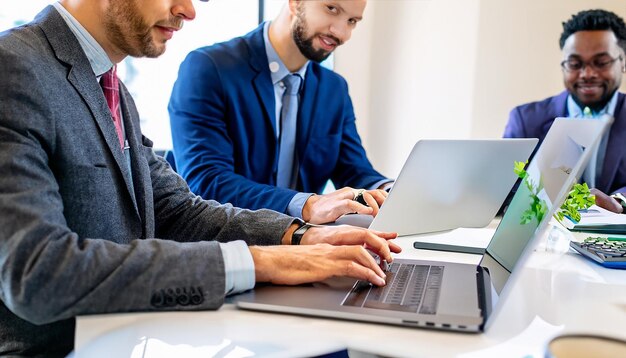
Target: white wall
x=451 y=68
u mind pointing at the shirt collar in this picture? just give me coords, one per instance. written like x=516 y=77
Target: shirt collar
x=98 y=59
x=278 y=70
x=574 y=110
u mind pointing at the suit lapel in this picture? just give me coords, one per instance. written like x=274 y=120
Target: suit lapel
x=262 y=82
x=81 y=76
x=306 y=110
x=557 y=109
x=140 y=170
x=560 y=104
x=90 y=90
x=263 y=87
x=615 y=146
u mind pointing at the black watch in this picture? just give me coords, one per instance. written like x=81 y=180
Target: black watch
x=296 y=237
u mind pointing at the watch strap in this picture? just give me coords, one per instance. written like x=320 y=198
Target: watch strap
x=297 y=235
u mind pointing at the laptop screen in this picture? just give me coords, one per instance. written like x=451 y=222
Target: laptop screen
x=554 y=169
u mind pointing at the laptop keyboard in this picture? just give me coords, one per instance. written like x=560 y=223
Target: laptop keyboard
x=410 y=288
x=608 y=253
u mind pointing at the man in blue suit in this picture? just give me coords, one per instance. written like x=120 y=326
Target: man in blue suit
x=593 y=44
x=243 y=134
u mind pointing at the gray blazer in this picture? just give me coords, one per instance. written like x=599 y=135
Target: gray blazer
x=76 y=236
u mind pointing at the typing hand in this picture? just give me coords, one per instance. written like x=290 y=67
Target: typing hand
x=293 y=265
x=322 y=209
x=377 y=242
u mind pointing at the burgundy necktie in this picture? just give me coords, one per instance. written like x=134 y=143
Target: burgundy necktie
x=111 y=88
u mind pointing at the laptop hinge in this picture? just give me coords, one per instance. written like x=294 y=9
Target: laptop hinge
x=485 y=302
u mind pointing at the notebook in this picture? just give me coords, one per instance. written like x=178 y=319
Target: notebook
x=447 y=184
x=598 y=220
x=448 y=295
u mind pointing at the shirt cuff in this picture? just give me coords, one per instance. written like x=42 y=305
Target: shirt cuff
x=379 y=183
x=238 y=267
x=297 y=204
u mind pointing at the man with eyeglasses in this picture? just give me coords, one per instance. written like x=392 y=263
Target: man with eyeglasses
x=593 y=44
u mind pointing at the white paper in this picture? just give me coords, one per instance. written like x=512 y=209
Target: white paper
x=530 y=343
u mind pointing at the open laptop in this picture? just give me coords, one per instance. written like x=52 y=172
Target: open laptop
x=447 y=184
x=446 y=295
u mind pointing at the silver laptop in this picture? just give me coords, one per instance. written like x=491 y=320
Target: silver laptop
x=447 y=184
x=445 y=295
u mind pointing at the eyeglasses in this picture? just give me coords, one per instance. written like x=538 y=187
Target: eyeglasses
x=598 y=64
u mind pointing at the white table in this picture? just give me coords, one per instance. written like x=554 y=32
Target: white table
x=557 y=292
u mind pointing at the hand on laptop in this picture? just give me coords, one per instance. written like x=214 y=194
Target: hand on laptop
x=377 y=242
x=606 y=201
x=293 y=265
x=322 y=209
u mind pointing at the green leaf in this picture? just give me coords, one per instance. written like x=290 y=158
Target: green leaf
x=527 y=217
x=579 y=198
x=538 y=207
x=559 y=215
x=518 y=169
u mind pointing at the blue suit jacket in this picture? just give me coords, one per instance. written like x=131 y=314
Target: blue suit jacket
x=222 y=114
x=533 y=120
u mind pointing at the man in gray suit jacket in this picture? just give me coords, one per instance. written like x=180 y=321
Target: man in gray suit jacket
x=89 y=227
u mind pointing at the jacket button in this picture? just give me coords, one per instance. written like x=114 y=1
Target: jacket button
x=196 y=295
x=182 y=298
x=157 y=299
x=170 y=298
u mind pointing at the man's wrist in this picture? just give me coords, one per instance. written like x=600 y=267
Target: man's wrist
x=298 y=233
x=306 y=208
x=296 y=205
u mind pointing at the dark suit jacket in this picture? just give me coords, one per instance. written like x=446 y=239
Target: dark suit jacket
x=75 y=237
x=533 y=120
x=222 y=113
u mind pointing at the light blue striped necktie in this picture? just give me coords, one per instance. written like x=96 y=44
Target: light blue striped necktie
x=287 y=163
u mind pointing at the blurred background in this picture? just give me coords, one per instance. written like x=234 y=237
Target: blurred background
x=416 y=68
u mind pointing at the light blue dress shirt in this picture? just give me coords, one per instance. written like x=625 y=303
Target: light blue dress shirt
x=594 y=169
x=238 y=263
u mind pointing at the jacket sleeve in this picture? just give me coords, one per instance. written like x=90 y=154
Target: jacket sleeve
x=184 y=216
x=203 y=147
x=515 y=125
x=353 y=168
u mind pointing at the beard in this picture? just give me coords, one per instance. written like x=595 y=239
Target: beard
x=128 y=30
x=597 y=105
x=304 y=43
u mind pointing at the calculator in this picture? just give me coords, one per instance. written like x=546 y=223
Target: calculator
x=608 y=252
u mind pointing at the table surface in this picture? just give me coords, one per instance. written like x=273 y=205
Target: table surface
x=556 y=292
